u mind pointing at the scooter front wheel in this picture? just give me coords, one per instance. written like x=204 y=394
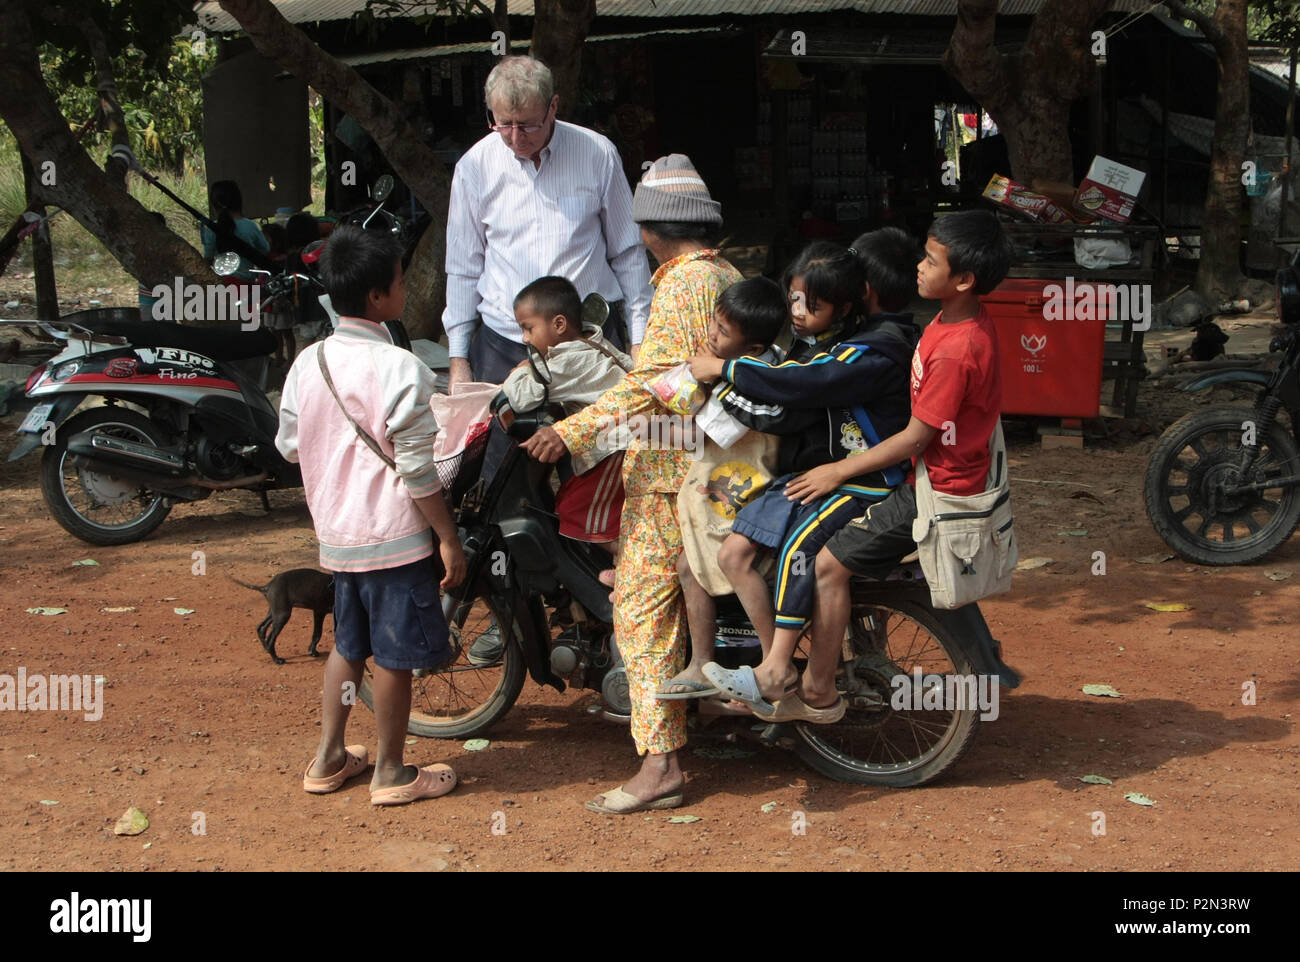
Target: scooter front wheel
x=894 y=634
x=93 y=504
x=469 y=693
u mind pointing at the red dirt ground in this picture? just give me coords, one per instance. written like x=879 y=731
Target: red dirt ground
x=198 y=719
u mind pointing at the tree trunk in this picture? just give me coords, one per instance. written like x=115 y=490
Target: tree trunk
x=1029 y=94
x=47 y=292
x=559 y=31
x=412 y=161
x=1219 y=273
x=147 y=250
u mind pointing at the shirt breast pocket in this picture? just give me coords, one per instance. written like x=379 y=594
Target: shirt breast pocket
x=578 y=208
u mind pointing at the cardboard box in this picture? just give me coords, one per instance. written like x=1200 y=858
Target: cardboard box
x=1005 y=191
x=1110 y=190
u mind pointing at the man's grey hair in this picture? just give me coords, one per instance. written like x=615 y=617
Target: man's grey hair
x=519 y=82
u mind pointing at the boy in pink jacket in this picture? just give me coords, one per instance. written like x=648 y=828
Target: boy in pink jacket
x=373 y=500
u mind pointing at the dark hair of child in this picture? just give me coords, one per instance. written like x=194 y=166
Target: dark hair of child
x=356 y=262
x=831 y=275
x=552 y=295
x=976 y=243
x=758 y=307
x=889 y=257
x=276 y=237
x=300 y=231
x=228 y=201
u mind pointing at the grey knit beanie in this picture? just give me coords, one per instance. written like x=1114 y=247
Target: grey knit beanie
x=672 y=191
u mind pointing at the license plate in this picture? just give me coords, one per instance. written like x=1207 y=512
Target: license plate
x=34 y=423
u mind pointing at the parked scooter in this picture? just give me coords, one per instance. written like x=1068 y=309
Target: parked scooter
x=517 y=559
x=178 y=420
x=1223 y=485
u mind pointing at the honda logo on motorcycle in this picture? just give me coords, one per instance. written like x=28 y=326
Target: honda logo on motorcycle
x=121 y=367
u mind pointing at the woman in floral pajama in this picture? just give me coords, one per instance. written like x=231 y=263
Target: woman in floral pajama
x=679 y=223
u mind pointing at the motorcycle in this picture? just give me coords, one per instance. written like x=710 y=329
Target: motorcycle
x=1223 y=485
x=179 y=420
x=517 y=560
x=376 y=216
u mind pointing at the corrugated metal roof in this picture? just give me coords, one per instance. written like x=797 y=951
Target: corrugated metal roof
x=451 y=49
x=879 y=47
x=216 y=20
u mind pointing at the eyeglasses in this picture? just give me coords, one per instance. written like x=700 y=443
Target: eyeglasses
x=521 y=128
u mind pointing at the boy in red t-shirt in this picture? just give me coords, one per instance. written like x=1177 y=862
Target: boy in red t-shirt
x=956 y=401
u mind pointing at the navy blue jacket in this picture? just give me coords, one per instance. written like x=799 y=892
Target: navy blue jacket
x=831 y=399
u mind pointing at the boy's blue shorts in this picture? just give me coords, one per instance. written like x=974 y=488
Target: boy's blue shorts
x=392 y=614
x=767 y=518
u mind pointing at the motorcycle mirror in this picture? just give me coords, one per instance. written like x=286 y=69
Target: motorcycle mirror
x=383 y=187
x=226 y=264
x=595 y=311
x=541 y=370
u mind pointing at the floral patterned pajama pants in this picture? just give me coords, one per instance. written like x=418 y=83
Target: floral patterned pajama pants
x=650 y=618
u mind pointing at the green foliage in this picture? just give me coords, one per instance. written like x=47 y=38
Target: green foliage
x=163 y=108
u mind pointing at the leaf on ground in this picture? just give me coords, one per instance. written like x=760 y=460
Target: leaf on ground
x=768 y=807
x=1087 y=496
x=47 y=611
x=1104 y=691
x=476 y=744
x=132 y=822
x=85 y=563
x=48 y=801
x=721 y=752
x=1137 y=798
x=119 y=610
x=1154 y=559
x=412 y=741
x=1095 y=780
x=681 y=819
x=146 y=845
x=1076 y=534
x=1029 y=564
x=183 y=611
x=1279 y=575
x=1167 y=606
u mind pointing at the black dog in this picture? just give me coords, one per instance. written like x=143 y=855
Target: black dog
x=297 y=588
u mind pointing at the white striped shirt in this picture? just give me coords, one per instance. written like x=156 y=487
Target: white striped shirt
x=510 y=223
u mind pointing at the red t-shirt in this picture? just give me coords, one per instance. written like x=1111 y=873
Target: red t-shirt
x=957 y=389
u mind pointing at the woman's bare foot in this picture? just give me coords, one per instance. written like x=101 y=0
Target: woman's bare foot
x=659 y=775
x=688 y=680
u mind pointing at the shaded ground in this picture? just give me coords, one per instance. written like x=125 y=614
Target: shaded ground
x=198 y=719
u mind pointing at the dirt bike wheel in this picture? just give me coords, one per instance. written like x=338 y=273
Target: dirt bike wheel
x=95 y=506
x=874 y=743
x=1183 y=493
x=462 y=700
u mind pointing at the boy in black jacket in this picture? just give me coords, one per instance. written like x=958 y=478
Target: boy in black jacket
x=842 y=388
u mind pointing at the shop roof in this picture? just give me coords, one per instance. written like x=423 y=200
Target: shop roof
x=452 y=49
x=211 y=17
x=879 y=46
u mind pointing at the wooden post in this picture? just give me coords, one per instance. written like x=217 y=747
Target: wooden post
x=47 y=295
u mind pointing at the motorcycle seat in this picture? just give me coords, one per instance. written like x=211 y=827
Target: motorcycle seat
x=220 y=344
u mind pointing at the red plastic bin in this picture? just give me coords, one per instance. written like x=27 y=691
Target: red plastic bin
x=1053 y=367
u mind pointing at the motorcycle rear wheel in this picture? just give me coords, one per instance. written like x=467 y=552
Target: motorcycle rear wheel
x=874 y=743
x=1184 y=479
x=93 y=505
x=460 y=699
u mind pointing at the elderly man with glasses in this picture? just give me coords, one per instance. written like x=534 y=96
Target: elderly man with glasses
x=537 y=196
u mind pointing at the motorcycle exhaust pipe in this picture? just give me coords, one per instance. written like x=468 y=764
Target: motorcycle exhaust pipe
x=118 y=452
x=147 y=464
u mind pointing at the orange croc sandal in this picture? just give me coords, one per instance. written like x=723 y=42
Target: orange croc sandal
x=357 y=760
x=431 y=781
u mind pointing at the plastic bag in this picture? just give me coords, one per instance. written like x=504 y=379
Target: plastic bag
x=1096 y=252
x=462 y=416
x=678 y=390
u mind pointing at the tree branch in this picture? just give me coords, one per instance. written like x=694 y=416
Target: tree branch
x=1204 y=21
x=972 y=58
